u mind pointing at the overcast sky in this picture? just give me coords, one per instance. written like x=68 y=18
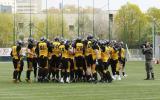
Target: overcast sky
x=114 y=4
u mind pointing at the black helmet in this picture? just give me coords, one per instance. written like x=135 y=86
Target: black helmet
x=56 y=39
x=90 y=37
x=30 y=40
x=19 y=43
x=107 y=42
x=79 y=40
x=43 y=39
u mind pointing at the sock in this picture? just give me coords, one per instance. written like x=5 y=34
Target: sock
x=88 y=77
x=15 y=74
x=62 y=74
x=76 y=74
x=95 y=76
x=72 y=75
x=35 y=72
x=123 y=73
x=57 y=74
x=19 y=75
x=117 y=72
x=28 y=75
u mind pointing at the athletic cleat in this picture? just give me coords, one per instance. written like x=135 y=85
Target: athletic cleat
x=61 y=81
x=28 y=81
x=114 y=77
x=119 y=77
x=67 y=80
x=35 y=79
x=15 y=81
x=147 y=79
x=20 y=80
x=125 y=75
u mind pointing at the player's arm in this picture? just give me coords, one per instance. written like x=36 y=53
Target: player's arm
x=18 y=52
x=11 y=54
x=29 y=50
x=37 y=49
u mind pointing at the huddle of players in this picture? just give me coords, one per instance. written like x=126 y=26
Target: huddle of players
x=70 y=61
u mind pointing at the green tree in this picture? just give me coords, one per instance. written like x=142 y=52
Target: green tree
x=85 y=25
x=54 y=26
x=130 y=24
x=154 y=17
x=6 y=29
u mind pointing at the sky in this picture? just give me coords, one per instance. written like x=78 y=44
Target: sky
x=114 y=4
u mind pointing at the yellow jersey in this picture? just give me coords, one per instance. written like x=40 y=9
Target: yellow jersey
x=106 y=54
x=56 y=50
x=88 y=49
x=79 y=49
x=14 y=52
x=96 y=54
x=30 y=52
x=122 y=53
x=71 y=52
x=63 y=51
x=43 y=49
x=114 y=54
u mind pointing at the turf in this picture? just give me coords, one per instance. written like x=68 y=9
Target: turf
x=131 y=88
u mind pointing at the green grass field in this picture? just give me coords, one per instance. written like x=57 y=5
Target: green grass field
x=131 y=88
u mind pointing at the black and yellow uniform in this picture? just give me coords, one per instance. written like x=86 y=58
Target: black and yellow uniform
x=42 y=53
x=122 y=59
x=97 y=62
x=105 y=56
x=71 y=61
x=18 y=63
x=88 y=59
x=114 y=60
x=31 y=60
x=55 y=60
x=79 y=56
x=65 y=61
x=88 y=54
x=122 y=56
x=80 y=61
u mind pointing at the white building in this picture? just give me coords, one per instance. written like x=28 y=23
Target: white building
x=7 y=3
x=24 y=6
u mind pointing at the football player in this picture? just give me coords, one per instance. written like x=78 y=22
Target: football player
x=65 y=68
x=55 y=59
x=31 y=55
x=42 y=51
x=17 y=59
x=79 y=59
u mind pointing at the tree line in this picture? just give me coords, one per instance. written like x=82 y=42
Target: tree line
x=130 y=25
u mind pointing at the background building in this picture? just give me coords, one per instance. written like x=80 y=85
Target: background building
x=7 y=5
x=23 y=6
x=5 y=9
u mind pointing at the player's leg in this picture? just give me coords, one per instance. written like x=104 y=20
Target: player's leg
x=28 y=73
x=35 y=68
x=94 y=72
x=71 y=61
x=118 y=68
x=20 y=71
x=106 y=72
x=67 y=70
x=89 y=63
x=15 y=72
x=57 y=67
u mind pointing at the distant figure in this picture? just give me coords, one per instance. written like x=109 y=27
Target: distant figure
x=147 y=50
x=17 y=59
